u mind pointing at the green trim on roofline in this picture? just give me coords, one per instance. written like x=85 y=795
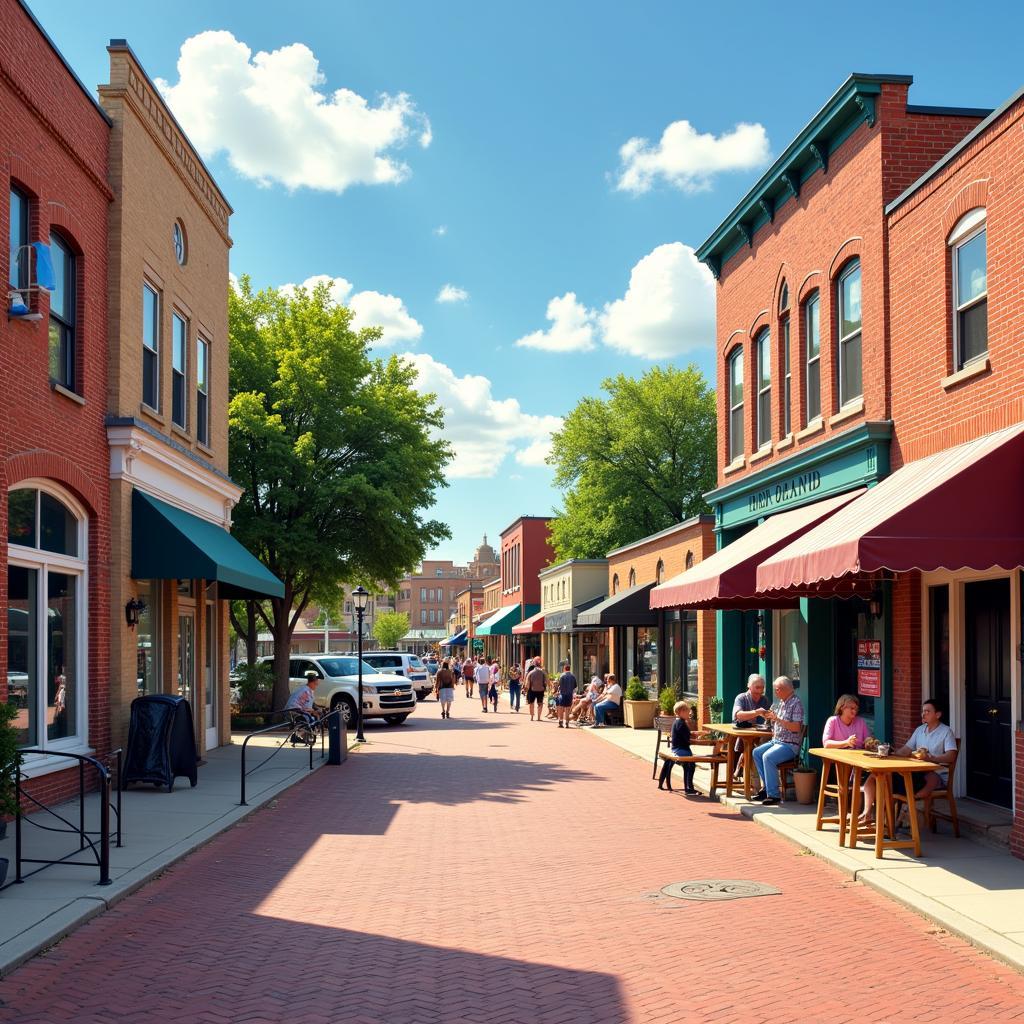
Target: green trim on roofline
x=853 y=103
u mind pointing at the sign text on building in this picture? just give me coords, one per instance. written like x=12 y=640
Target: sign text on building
x=784 y=491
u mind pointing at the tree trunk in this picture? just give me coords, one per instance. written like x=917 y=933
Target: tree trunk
x=282 y=631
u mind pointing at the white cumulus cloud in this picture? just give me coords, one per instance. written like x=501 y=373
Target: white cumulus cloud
x=441 y=230
x=369 y=309
x=688 y=159
x=452 y=293
x=482 y=429
x=272 y=116
x=668 y=309
x=571 y=330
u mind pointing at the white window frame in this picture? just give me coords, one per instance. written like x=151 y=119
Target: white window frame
x=813 y=302
x=853 y=267
x=735 y=451
x=763 y=348
x=787 y=385
x=155 y=348
x=203 y=391
x=970 y=225
x=44 y=562
x=181 y=424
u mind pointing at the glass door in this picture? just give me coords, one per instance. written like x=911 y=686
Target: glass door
x=186 y=656
x=210 y=675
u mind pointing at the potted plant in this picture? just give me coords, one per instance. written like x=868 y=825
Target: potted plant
x=805 y=779
x=715 y=707
x=637 y=707
x=667 y=699
x=10 y=762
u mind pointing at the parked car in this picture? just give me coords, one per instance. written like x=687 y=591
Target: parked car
x=403 y=664
x=385 y=695
x=432 y=666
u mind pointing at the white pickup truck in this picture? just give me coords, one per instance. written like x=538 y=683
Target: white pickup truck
x=386 y=696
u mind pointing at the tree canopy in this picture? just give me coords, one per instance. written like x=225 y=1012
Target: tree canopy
x=389 y=628
x=634 y=462
x=336 y=450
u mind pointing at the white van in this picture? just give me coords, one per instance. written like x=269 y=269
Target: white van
x=401 y=663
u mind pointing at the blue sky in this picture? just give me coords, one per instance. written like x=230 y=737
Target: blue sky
x=522 y=195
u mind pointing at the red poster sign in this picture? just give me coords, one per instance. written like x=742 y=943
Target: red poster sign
x=869 y=668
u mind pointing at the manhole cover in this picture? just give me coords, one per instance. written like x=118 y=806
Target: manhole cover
x=718 y=889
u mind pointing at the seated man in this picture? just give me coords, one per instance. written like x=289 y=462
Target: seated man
x=611 y=698
x=932 y=740
x=302 y=708
x=746 y=710
x=787 y=734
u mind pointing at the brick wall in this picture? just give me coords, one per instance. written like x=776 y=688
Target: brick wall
x=53 y=145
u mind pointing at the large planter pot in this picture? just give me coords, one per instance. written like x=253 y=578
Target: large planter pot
x=716 y=715
x=805 y=782
x=639 y=714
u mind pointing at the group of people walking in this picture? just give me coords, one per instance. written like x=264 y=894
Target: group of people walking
x=529 y=679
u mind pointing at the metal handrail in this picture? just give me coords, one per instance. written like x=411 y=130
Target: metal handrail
x=102 y=856
x=320 y=725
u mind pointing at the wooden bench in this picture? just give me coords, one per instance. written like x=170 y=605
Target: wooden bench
x=716 y=759
x=663 y=733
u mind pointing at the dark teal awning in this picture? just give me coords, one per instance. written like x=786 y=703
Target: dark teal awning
x=171 y=544
x=501 y=622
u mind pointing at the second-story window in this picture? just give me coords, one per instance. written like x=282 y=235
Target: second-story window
x=62 y=314
x=202 y=391
x=179 y=370
x=18 y=273
x=736 y=404
x=150 y=347
x=787 y=376
x=812 y=372
x=764 y=389
x=970 y=288
x=850 y=380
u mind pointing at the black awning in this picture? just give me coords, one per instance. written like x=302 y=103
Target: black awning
x=630 y=607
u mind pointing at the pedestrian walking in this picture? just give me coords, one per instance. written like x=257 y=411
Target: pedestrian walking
x=536 y=687
x=515 y=688
x=492 y=690
x=444 y=683
x=482 y=676
x=564 y=697
x=467 y=675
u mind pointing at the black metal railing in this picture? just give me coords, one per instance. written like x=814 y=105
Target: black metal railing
x=96 y=840
x=290 y=725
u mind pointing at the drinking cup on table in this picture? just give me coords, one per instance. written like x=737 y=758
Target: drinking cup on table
x=883 y=749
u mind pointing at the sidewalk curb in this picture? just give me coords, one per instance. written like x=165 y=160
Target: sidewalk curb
x=52 y=929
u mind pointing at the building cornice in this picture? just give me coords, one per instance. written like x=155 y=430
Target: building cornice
x=686 y=524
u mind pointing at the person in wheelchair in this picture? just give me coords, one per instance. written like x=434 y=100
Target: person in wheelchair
x=303 y=714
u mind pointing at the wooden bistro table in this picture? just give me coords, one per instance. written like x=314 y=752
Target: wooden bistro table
x=857 y=763
x=751 y=737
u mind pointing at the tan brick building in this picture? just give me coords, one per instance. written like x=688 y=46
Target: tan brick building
x=173 y=562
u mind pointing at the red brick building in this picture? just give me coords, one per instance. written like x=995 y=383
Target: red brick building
x=54 y=461
x=871 y=425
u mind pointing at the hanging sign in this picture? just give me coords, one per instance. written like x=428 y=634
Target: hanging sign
x=869 y=668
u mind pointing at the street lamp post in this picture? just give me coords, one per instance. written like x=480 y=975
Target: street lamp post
x=359 y=599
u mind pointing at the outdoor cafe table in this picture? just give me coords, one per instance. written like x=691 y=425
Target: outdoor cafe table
x=881 y=769
x=750 y=736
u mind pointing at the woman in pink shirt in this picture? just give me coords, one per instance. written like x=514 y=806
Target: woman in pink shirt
x=848 y=730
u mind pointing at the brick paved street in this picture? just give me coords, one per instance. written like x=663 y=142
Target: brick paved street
x=489 y=869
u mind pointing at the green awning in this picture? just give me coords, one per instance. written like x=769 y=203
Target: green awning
x=501 y=622
x=171 y=544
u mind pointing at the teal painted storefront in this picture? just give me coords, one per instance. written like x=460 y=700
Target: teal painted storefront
x=816 y=641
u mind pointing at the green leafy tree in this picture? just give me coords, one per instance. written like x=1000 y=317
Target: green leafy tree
x=634 y=462
x=389 y=628
x=336 y=450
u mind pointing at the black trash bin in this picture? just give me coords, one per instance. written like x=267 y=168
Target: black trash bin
x=161 y=742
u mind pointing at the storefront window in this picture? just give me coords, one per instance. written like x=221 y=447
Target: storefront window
x=681 y=661
x=595 y=653
x=642 y=653
x=938 y=608
x=46 y=578
x=791 y=646
x=146 y=639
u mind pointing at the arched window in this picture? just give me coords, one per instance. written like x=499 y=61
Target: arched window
x=659 y=572
x=615 y=583
x=689 y=559
x=47 y=584
x=735 y=379
x=812 y=366
x=63 y=308
x=787 y=377
x=763 y=348
x=632 y=577
x=967 y=244
x=849 y=333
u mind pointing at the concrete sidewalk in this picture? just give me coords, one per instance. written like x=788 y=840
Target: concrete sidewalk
x=972 y=889
x=159 y=828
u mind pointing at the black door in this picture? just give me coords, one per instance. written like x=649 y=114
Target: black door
x=989 y=740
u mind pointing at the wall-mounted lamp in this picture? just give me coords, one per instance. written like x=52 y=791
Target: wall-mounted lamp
x=133 y=610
